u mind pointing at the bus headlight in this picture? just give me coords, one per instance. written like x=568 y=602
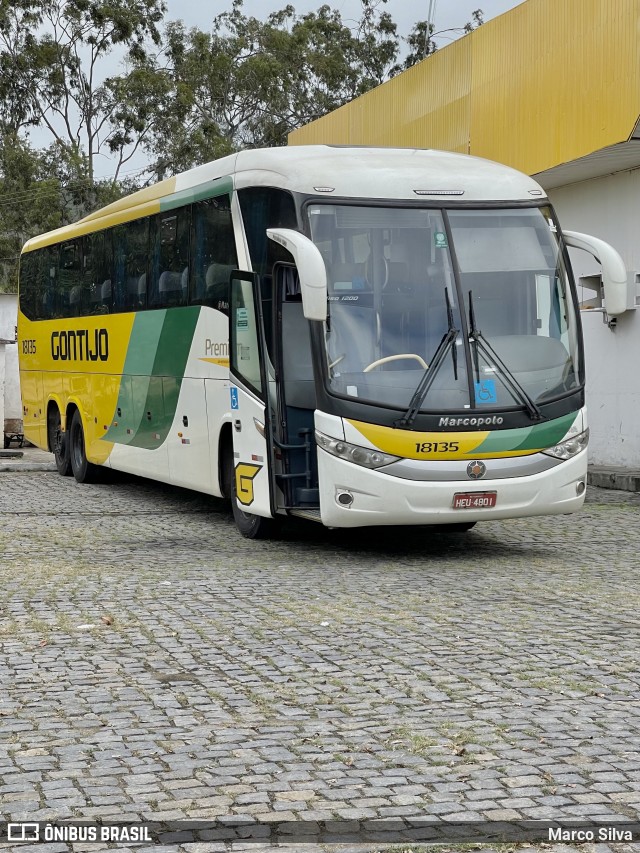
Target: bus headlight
x=353 y=452
x=570 y=447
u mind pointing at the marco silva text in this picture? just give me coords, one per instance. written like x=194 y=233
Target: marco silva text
x=586 y=835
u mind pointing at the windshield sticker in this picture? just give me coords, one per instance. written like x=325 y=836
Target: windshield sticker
x=486 y=392
x=440 y=240
x=242 y=318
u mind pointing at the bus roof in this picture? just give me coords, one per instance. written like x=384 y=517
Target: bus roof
x=401 y=174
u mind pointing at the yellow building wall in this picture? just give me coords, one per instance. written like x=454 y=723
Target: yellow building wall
x=546 y=83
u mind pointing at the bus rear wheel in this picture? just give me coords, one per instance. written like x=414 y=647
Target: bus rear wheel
x=83 y=470
x=250 y=526
x=58 y=442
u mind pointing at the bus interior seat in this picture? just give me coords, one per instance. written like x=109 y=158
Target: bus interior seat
x=170 y=288
x=75 y=300
x=397 y=275
x=136 y=291
x=350 y=313
x=217 y=279
x=105 y=296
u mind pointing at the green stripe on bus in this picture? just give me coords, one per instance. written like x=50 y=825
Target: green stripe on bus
x=134 y=384
x=211 y=189
x=528 y=438
x=548 y=434
x=169 y=364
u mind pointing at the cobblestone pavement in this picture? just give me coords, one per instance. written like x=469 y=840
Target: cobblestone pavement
x=155 y=665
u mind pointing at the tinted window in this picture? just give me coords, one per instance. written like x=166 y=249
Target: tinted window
x=130 y=254
x=47 y=282
x=97 y=290
x=262 y=208
x=29 y=285
x=214 y=252
x=68 y=301
x=170 y=258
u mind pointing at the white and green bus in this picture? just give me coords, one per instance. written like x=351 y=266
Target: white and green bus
x=355 y=336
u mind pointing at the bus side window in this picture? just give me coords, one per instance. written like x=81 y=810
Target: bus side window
x=96 y=273
x=30 y=284
x=69 y=281
x=130 y=250
x=262 y=208
x=213 y=252
x=48 y=275
x=170 y=258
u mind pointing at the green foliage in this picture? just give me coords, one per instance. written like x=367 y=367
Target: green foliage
x=477 y=20
x=248 y=82
x=421 y=40
x=182 y=96
x=52 y=59
x=30 y=202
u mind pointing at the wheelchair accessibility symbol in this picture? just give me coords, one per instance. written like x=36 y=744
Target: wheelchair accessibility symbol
x=486 y=391
x=235 y=404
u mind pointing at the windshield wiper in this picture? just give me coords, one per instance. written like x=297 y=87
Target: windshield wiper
x=483 y=346
x=435 y=363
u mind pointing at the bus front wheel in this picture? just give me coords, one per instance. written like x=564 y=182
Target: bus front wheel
x=250 y=526
x=58 y=442
x=83 y=470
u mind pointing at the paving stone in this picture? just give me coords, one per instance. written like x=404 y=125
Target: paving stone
x=491 y=674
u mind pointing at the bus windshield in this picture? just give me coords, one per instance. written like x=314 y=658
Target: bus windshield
x=491 y=283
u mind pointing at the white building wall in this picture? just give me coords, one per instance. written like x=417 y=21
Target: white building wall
x=609 y=208
x=3 y=352
x=10 y=400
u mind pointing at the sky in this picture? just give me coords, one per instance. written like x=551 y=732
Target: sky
x=449 y=14
x=449 y=18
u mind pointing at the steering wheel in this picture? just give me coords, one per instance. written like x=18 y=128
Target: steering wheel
x=389 y=358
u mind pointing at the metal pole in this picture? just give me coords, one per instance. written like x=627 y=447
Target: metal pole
x=431 y=21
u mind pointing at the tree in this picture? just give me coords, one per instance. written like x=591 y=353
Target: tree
x=250 y=82
x=30 y=202
x=421 y=40
x=52 y=73
x=477 y=20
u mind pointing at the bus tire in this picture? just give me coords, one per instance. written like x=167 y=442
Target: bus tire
x=83 y=470
x=250 y=526
x=58 y=442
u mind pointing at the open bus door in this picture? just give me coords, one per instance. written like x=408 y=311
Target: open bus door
x=253 y=495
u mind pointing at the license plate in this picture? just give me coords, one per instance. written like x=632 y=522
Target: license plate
x=474 y=500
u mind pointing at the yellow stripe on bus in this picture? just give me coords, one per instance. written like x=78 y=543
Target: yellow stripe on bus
x=223 y=362
x=438 y=445
x=422 y=445
x=69 y=232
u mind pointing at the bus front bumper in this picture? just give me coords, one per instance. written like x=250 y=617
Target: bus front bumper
x=354 y=496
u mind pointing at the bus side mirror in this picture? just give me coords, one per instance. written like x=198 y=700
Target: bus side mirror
x=614 y=272
x=311 y=269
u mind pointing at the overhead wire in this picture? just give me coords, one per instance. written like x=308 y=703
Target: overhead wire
x=17 y=198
